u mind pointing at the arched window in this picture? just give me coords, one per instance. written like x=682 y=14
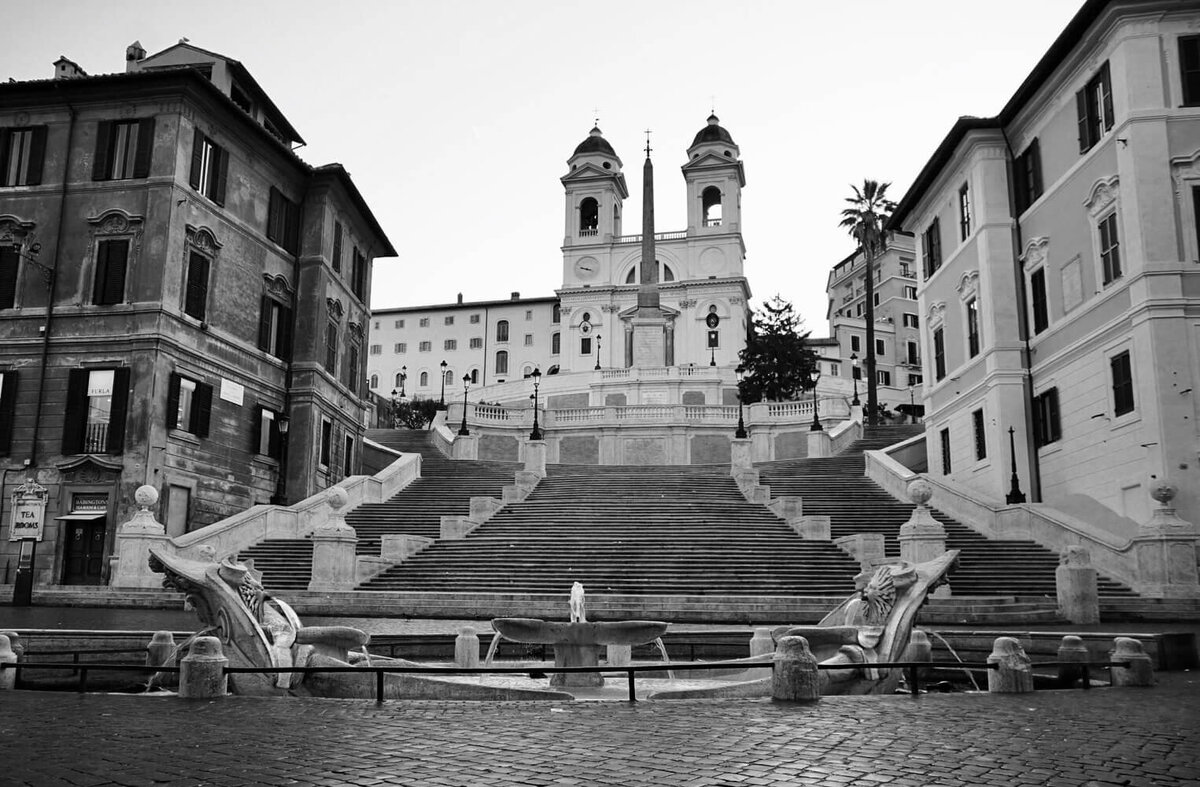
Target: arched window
x=711 y=201
x=424 y=379
x=374 y=381
x=502 y=331
x=664 y=274
x=589 y=216
x=502 y=362
x=449 y=377
x=555 y=343
x=474 y=377
x=400 y=376
x=528 y=370
x=556 y=314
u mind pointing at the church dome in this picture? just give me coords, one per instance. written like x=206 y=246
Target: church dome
x=713 y=133
x=595 y=143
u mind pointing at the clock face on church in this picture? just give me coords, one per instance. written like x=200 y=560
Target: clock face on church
x=586 y=268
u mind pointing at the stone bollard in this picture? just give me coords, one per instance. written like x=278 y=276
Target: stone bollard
x=796 y=678
x=18 y=646
x=619 y=655
x=8 y=676
x=1014 y=675
x=466 y=648
x=1075 y=583
x=160 y=649
x=202 y=670
x=1072 y=655
x=1140 y=671
x=922 y=538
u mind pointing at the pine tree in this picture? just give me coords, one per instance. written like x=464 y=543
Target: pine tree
x=777 y=363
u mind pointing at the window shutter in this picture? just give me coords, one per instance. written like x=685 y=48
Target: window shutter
x=197 y=158
x=202 y=402
x=337 y=247
x=291 y=240
x=8 y=405
x=1052 y=401
x=103 y=143
x=273 y=215
x=5 y=140
x=173 y=402
x=120 y=403
x=111 y=259
x=1106 y=97
x=76 y=411
x=220 y=170
x=284 y=346
x=37 y=153
x=1082 y=120
x=1035 y=151
x=141 y=162
x=273 y=439
x=256 y=429
x=10 y=263
x=264 y=324
x=197 y=287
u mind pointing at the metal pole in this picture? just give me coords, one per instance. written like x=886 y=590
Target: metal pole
x=462 y=430
x=597 y=359
x=1015 y=495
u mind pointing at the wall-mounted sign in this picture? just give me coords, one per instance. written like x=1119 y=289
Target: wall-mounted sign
x=28 y=511
x=232 y=392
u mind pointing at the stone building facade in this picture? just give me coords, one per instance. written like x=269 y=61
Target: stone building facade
x=183 y=303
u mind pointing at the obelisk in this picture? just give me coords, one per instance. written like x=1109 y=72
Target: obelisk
x=649 y=324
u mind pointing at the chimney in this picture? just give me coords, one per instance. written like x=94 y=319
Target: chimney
x=133 y=53
x=65 y=68
x=516 y=296
x=460 y=297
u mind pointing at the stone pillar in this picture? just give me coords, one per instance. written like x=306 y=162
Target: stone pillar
x=1072 y=655
x=160 y=649
x=619 y=655
x=454 y=528
x=812 y=528
x=1075 y=580
x=787 y=508
x=1140 y=671
x=333 y=566
x=202 y=670
x=1014 y=675
x=819 y=444
x=133 y=542
x=922 y=538
x=796 y=678
x=465 y=446
x=1165 y=550
x=535 y=457
x=466 y=648
x=866 y=548
x=8 y=675
x=741 y=455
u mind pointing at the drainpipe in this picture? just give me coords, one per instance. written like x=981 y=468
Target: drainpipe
x=1035 y=470
x=51 y=274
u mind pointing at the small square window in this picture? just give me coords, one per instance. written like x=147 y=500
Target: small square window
x=448 y=319
x=424 y=322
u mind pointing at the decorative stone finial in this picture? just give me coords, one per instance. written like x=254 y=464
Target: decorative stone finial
x=920 y=491
x=145 y=496
x=143 y=522
x=1163 y=491
x=336 y=498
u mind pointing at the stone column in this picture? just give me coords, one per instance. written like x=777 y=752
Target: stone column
x=1014 y=675
x=535 y=457
x=133 y=542
x=1140 y=671
x=796 y=678
x=202 y=670
x=819 y=444
x=1075 y=581
x=466 y=648
x=922 y=538
x=741 y=455
x=1165 y=550
x=333 y=566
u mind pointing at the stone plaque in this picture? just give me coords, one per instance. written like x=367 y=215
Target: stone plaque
x=232 y=392
x=1072 y=285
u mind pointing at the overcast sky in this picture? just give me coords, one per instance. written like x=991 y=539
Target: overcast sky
x=455 y=119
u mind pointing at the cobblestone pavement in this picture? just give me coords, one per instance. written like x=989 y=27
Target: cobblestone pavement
x=1066 y=739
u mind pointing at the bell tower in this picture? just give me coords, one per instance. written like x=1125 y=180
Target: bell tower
x=595 y=188
x=715 y=178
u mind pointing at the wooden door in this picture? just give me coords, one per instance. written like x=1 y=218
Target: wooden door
x=83 y=557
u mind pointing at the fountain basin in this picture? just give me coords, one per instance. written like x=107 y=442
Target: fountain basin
x=575 y=644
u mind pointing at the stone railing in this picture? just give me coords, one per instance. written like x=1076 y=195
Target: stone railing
x=677 y=235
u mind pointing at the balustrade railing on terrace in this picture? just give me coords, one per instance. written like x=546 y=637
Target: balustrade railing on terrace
x=95 y=439
x=657 y=236
x=832 y=408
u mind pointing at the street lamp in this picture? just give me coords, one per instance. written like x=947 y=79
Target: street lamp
x=912 y=406
x=536 y=434
x=466 y=385
x=814 y=376
x=597 y=357
x=712 y=355
x=403 y=377
x=854 y=375
x=1015 y=495
x=442 y=396
x=395 y=407
x=740 y=434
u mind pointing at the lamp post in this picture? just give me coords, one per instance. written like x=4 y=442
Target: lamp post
x=1015 y=495
x=395 y=407
x=597 y=360
x=536 y=434
x=282 y=423
x=740 y=434
x=815 y=375
x=403 y=378
x=854 y=376
x=442 y=396
x=912 y=405
x=712 y=356
x=466 y=386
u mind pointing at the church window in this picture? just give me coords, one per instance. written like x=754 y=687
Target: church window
x=711 y=202
x=374 y=381
x=664 y=274
x=424 y=379
x=502 y=331
x=555 y=343
x=502 y=362
x=589 y=217
x=556 y=314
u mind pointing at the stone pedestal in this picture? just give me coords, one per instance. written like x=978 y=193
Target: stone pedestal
x=741 y=455
x=202 y=670
x=1075 y=581
x=787 y=508
x=482 y=508
x=1013 y=675
x=649 y=342
x=1165 y=550
x=466 y=648
x=820 y=444
x=133 y=542
x=1140 y=671
x=333 y=566
x=465 y=446
x=398 y=547
x=762 y=642
x=796 y=677
x=535 y=457
x=922 y=538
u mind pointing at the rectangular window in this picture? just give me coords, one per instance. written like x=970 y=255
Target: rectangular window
x=450 y=344
x=911 y=320
x=528 y=315
x=502 y=331
x=424 y=322
x=449 y=320
x=834 y=370
x=425 y=347
x=1027 y=174
x=915 y=379
x=980 y=435
x=529 y=340
x=348 y=456
x=875 y=298
x=97 y=400
x=266 y=433
x=880 y=347
x=914 y=356
x=1094 y=109
x=474 y=319
x=195 y=302
x=883 y=377
x=1189 y=69
x=283 y=221
x=210 y=165
x=112 y=256
x=555 y=343
x=331 y=348
x=1110 y=248
x=931 y=248
x=476 y=343
x=945 y=440
x=939 y=354
x=501 y=362
x=358 y=280
x=399 y=323
x=855 y=344
x=326 y=443
x=1122 y=383
x=275 y=328
x=972 y=328
x=585 y=345
x=22 y=151
x=8 y=409
x=401 y=347
x=858 y=309
x=351 y=371
x=1046 y=425
x=376 y=349
x=964 y=212
x=189 y=405
x=337 y=255
x=910 y=292
x=1037 y=299
x=10 y=268
x=123 y=149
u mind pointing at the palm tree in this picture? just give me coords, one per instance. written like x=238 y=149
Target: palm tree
x=864 y=219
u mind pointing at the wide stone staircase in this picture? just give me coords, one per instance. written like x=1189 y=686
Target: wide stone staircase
x=444 y=488
x=837 y=487
x=683 y=530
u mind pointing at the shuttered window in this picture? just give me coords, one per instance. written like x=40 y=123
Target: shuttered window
x=97 y=400
x=1027 y=174
x=266 y=437
x=931 y=248
x=195 y=299
x=112 y=258
x=275 y=328
x=1094 y=109
x=22 y=152
x=1046 y=425
x=337 y=248
x=283 y=221
x=1189 y=69
x=1037 y=296
x=123 y=149
x=10 y=266
x=1122 y=383
x=189 y=405
x=210 y=165
x=8 y=407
